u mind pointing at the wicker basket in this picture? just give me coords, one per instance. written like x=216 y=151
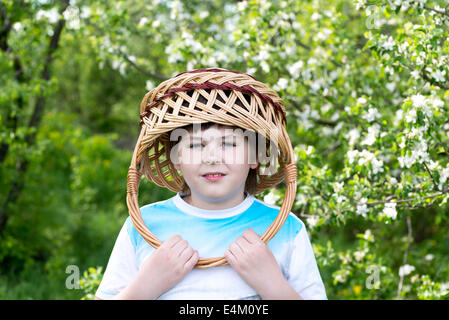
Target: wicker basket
x=174 y=103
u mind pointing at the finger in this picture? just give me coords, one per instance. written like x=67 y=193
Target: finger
x=186 y=254
x=230 y=258
x=179 y=247
x=170 y=242
x=235 y=249
x=251 y=236
x=243 y=243
x=192 y=261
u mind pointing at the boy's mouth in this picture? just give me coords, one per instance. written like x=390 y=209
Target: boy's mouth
x=213 y=176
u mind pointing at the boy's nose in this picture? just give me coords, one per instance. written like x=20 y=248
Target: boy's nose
x=212 y=154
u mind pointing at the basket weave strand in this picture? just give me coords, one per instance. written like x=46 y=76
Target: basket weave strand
x=176 y=103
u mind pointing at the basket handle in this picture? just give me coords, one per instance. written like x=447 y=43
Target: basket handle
x=132 y=193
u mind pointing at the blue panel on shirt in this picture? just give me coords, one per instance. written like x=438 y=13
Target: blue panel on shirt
x=211 y=237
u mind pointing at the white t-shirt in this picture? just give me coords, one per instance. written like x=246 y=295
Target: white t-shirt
x=210 y=232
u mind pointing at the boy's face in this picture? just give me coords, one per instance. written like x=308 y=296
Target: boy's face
x=214 y=162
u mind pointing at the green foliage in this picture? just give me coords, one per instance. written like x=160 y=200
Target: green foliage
x=366 y=86
x=90 y=282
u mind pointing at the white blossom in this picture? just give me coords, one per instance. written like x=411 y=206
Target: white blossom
x=324 y=34
x=389 y=70
x=368 y=235
x=282 y=84
x=352 y=154
x=265 y=66
x=444 y=286
x=142 y=22
x=371 y=115
x=204 y=14
x=362 y=208
x=18 y=27
x=263 y=54
x=85 y=12
x=433 y=165
x=406 y=161
x=398 y=117
x=391 y=86
x=271 y=198
x=370 y=138
x=315 y=85
x=156 y=23
x=402 y=143
x=341 y=198
x=338 y=186
x=360 y=4
x=315 y=16
x=418 y=100
x=306 y=74
x=52 y=15
x=352 y=136
x=419 y=151
x=362 y=100
x=241 y=5
x=393 y=181
x=415 y=74
x=439 y=75
x=436 y=103
x=149 y=85
x=405 y=270
x=411 y=116
x=312 y=221
x=301 y=199
x=444 y=175
x=295 y=68
x=359 y=255
x=389 y=44
x=377 y=165
x=390 y=210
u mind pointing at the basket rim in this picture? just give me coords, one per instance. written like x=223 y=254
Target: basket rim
x=133 y=182
x=168 y=106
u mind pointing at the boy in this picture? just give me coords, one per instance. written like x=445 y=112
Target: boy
x=215 y=215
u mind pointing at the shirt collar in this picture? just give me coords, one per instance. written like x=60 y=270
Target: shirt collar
x=213 y=214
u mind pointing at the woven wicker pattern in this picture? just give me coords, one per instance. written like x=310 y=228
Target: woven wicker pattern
x=175 y=103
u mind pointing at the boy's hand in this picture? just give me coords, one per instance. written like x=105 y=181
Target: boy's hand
x=253 y=260
x=166 y=266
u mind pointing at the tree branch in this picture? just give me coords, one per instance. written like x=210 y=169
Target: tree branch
x=11 y=119
x=22 y=165
x=431 y=176
x=126 y=57
x=140 y=69
x=404 y=260
x=426 y=77
x=445 y=13
x=374 y=203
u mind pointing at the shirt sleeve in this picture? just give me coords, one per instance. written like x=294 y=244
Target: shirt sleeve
x=303 y=273
x=121 y=268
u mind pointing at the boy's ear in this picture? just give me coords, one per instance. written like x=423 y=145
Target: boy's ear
x=175 y=155
x=254 y=165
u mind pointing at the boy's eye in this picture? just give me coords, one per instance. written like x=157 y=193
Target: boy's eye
x=229 y=144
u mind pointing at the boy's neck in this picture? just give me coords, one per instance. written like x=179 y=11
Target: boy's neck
x=215 y=203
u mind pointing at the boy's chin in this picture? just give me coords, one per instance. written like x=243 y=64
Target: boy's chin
x=216 y=195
